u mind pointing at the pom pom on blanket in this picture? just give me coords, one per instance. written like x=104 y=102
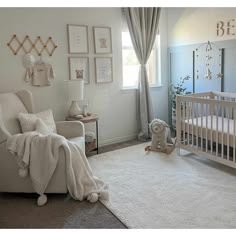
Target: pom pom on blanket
x=93 y=197
x=102 y=195
x=42 y=200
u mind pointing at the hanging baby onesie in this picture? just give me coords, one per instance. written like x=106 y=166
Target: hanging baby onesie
x=41 y=73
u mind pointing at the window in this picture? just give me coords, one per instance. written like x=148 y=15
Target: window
x=131 y=64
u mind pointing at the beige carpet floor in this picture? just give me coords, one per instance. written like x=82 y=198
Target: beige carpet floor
x=155 y=190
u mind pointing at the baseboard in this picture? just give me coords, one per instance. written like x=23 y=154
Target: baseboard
x=117 y=140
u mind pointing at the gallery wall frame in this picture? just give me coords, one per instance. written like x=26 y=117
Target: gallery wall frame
x=78 y=38
x=103 y=69
x=79 y=68
x=102 y=40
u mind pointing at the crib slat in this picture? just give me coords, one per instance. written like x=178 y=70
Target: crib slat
x=188 y=120
x=211 y=130
x=222 y=130
x=184 y=118
x=217 y=129
x=197 y=126
x=201 y=127
x=234 y=118
x=192 y=125
x=206 y=127
x=228 y=112
x=231 y=110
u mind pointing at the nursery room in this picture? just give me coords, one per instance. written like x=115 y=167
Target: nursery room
x=117 y=117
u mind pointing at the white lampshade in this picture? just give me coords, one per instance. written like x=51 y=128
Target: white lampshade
x=76 y=89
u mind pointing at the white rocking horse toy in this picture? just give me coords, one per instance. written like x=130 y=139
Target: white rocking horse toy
x=161 y=138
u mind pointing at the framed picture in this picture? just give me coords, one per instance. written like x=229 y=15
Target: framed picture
x=79 y=68
x=104 y=71
x=102 y=39
x=78 y=38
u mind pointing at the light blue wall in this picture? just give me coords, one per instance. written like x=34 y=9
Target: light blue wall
x=182 y=61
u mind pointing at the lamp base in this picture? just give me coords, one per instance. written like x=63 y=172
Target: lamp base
x=74 y=109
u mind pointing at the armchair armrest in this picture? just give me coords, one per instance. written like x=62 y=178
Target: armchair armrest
x=70 y=129
x=4 y=134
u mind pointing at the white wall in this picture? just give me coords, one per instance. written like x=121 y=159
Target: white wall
x=117 y=111
x=116 y=108
x=196 y=25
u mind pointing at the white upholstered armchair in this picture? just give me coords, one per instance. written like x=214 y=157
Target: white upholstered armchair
x=11 y=104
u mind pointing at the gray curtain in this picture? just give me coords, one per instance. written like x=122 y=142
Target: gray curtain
x=143 y=25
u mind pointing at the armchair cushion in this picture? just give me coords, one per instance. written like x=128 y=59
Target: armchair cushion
x=41 y=127
x=28 y=121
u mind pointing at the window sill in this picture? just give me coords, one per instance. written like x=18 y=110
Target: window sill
x=135 y=88
x=157 y=86
x=128 y=88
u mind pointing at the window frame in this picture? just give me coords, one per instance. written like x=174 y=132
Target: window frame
x=156 y=50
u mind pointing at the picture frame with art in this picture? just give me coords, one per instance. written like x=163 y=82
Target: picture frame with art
x=102 y=40
x=103 y=69
x=78 y=38
x=79 y=68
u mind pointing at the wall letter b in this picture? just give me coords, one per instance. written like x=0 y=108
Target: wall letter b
x=220 y=28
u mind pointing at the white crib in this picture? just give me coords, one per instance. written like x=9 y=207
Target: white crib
x=206 y=125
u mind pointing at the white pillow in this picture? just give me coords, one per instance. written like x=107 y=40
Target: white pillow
x=41 y=127
x=28 y=121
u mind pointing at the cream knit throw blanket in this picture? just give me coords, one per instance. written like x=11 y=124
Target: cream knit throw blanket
x=40 y=154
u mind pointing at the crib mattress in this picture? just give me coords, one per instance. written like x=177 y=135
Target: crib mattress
x=208 y=127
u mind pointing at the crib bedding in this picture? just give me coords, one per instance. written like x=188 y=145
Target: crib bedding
x=207 y=127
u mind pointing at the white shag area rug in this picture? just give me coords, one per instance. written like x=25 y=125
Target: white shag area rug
x=155 y=190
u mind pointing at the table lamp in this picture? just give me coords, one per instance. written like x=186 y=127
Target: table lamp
x=76 y=93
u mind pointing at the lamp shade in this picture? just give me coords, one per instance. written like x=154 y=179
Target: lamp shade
x=76 y=90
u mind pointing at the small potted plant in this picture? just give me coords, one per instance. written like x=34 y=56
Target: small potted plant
x=175 y=90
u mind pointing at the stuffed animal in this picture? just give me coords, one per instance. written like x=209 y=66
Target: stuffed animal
x=160 y=135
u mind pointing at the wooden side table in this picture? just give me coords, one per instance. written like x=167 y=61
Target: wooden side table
x=88 y=119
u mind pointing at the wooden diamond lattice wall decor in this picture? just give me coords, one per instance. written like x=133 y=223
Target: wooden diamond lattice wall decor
x=38 y=45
